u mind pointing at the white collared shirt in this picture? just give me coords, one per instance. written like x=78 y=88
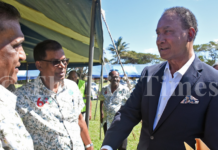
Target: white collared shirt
x=171 y=83
x=168 y=87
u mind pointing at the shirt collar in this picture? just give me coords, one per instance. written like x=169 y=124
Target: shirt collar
x=109 y=88
x=8 y=97
x=41 y=85
x=184 y=68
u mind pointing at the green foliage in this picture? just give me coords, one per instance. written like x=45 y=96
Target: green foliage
x=207 y=52
x=140 y=58
x=131 y=56
x=121 y=48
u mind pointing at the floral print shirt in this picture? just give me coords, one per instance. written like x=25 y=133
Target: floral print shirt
x=13 y=134
x=113 y=101
x=51 y=118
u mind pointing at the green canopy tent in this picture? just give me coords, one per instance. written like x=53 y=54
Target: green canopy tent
x=76 y=24
x=66 y=21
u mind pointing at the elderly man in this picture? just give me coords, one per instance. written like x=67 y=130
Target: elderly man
x=177 y=100
x=13 y=134
x=50 y=106
x=112 y=97
x=82 y=87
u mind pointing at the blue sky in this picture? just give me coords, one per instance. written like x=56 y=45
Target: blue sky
x=136 y=21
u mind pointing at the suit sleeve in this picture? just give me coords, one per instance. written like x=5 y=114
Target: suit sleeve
x=211 y=125
x=127 y=117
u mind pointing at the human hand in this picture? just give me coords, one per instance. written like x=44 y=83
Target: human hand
x=90 y=116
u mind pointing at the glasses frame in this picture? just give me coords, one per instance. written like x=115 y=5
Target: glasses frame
x=60 y=61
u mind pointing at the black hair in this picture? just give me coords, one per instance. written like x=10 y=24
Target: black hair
x=40 y=49
x=7 y=12
x=110 y=73
x=72 y=72
x=186 y=16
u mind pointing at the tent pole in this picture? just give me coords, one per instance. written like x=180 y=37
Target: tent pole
x=128 y=83
x=117 y=53
x=91 y=53
x=26 y=72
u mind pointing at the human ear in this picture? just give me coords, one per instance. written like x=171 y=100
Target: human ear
x=38 y=65
x=191 y=34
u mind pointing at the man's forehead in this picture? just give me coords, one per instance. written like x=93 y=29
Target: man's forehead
x=167 y=20
x=11 y=33
x=55 y=54
x=114 y=73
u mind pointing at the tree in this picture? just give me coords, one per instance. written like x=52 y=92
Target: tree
x=140 y=58
x=106 y=60
x=121 y=48
x=207 y=52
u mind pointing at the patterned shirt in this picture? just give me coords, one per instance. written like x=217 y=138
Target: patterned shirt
x=13 y=134
x=51 y=118
x=113 y=101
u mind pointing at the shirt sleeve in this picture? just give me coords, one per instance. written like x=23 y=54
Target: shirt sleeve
x=1 y=147
x=106 y=147
x=126 y=95
x=1 y=136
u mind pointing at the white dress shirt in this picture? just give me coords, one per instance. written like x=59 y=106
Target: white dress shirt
x=171 y=83
x=168 y=87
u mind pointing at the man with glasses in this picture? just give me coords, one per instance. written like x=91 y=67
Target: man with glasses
x=50 y=106
x=112 y=97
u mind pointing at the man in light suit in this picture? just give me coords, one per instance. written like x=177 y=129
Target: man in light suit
x=177 y=100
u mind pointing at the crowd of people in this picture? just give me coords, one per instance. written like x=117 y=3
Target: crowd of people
x=176 y=101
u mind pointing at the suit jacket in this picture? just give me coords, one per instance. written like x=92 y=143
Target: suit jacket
x=179 y=123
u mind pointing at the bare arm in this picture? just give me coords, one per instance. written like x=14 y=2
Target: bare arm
x=84 y=132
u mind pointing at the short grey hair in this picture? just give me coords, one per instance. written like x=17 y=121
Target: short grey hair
x=187 y=18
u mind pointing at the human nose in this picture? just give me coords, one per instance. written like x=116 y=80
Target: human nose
x=22 y=55
x=160 y=39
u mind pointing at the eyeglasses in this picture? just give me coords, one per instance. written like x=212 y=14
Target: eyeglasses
x=56 y=63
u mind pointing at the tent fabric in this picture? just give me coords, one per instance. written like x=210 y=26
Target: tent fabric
x=66 y=21
x=132 y=70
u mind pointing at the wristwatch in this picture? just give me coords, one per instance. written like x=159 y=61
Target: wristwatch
x=89 y=145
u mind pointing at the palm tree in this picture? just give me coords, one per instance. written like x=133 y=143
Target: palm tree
x=121 y=48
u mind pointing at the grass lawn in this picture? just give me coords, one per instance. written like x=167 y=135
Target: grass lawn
x=94 y=131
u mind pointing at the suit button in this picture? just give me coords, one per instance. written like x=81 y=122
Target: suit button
x=151 y=137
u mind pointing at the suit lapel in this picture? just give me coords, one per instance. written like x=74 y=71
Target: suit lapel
x=154 y=85
x=184 y=88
